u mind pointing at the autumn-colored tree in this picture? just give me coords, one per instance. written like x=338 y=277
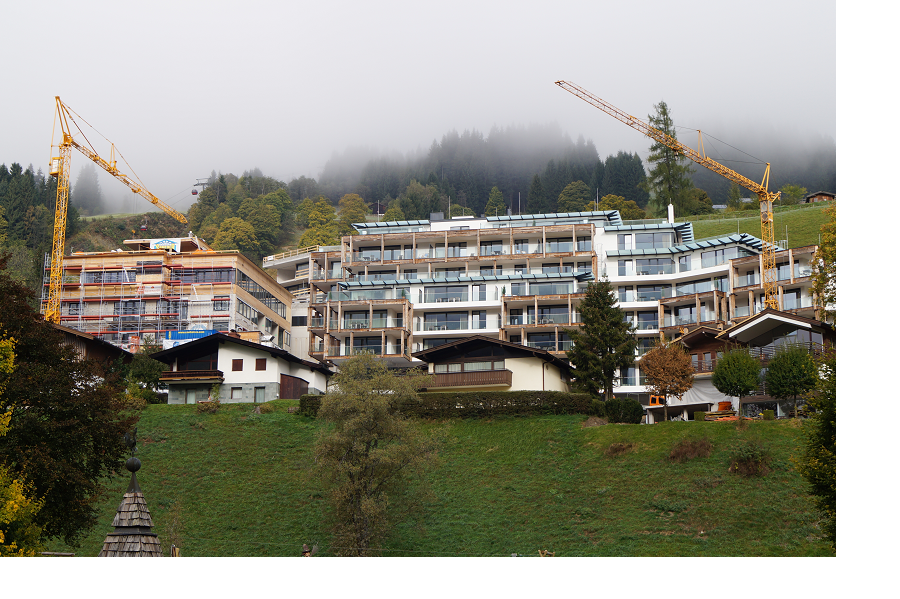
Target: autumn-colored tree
x=237 y=234
x=370 y=454
x=68 y=419
x=825 y=268
x=669 y=372
x=323 y=227
x=457 y=210
x=393 y=214
x=628 y=210
x=20 y=536
x=736 y=374
x=351 y=209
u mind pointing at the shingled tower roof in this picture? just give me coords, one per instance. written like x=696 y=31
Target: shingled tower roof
x=133 y=536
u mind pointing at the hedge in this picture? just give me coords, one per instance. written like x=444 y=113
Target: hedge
x=482 y=404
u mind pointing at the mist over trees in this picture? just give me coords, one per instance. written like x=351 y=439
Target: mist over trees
x=86 y=194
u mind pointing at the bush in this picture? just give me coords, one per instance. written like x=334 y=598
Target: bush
x=699 y=416
x=627 y=411
x=208 y=407
x=768 y=414
x=265 y=408
x=686 y=450
x=598 y=408
x=484 y=404
x=750 y=458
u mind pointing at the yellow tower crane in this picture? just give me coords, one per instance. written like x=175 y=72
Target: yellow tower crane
x=59 y=168
x=766 y=214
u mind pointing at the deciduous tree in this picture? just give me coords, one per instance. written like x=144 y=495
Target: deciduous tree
x=792 y=194
x=791 y=373
x=818 y=465
x=628 y=210
x=736 y=374
x=237 y=234
x=825 y=268
x=669 y=372
x=19 y=535
x=605 y=342
x=574 y=197
x=68 y=419
x=351 y=209
x=370 y=454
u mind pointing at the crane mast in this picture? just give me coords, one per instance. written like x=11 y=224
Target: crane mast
x=59 y=168
x=766 y=199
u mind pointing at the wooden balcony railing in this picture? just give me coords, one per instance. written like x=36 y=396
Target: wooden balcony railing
x=191 y=375
x=479 y=377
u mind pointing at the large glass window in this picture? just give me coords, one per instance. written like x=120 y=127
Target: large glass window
x=655 y=266
x=561 y=244
x=624 y=242
x=492 y=248
x=649 y=293
x=260 y=293
x=446 y=321
x=626 y=294
x=647 y=241
x=455 y=293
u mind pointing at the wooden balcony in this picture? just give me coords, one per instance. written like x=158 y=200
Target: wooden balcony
x=471 y=379
x=170 y=376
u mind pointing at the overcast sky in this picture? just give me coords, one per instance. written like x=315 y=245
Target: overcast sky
x=183 y=88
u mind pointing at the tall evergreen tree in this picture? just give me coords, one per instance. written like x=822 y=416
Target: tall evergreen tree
x=495 y=205
x=604 y=344
x=537 y=200
x=670 y=175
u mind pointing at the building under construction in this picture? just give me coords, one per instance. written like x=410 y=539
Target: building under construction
x=167 y=285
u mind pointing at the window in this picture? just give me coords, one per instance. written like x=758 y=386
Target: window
x=75 y=308
x=298 y=321
x=648 y=241
x=625 y=268
x=684 y=263
x=649 y=293
x=655 y=266
x=259 y=394
x=237 y=365
x=626 y=294
x=129 y=307
x=446 y=321
x=584 y=244
x=221 y=304
x=260 y=363
x=254 y=289
x=236 y=393
x=624 y=242
x=491 y=248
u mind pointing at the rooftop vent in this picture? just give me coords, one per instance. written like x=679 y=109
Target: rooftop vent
x=436 y=216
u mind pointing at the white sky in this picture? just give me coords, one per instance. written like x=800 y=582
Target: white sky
x=183 y=88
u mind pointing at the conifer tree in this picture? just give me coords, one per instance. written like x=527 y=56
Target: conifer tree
x=670 y=175
x=537 y=200
x=495 y=205
x=604 y=344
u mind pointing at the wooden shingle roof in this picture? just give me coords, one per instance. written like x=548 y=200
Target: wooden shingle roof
x=133 y=535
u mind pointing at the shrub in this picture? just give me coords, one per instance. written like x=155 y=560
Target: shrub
x=598 y=408
x=686 y=450
x=483 y=404
x=768 y=414
x=265 y=408
x=618 y=449
x=750 y=458
x=699 y=416
x=208 y=407
x=627 y=411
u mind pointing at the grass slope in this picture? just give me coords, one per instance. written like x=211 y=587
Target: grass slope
x=802 y=222
x=243 y=484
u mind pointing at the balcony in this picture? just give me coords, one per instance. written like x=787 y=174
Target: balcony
x=437 y=298
x=366 y=295
x=563 y=345
x=544 y=319
x=170 y=376
x=472 y=379
x=375 y=323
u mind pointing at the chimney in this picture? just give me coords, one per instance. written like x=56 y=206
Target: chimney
x=671 y=213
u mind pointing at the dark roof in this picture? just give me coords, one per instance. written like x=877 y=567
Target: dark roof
x=93 y=341
x=820 y=193
x=473 y=341
x=133 y=536
x=206 y=344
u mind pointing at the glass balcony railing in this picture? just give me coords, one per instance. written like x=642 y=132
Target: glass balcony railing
x=741 y=311
x=366 y=294
x=317 y=322
x=367 y=256
x=494 y=250
x=647 y=325
x=675 y=321
x=455 y=325
x=792 y=303
x=655 y=269
x=710 y=262
x=583 y=246
x=344 y=350
x=549 y=289
x=398 y=254
x=648 y=296
x=562 y=345
x=441 y=297
x=802 y=271
x=375 y=277
x=553 y=248
x=746 y=280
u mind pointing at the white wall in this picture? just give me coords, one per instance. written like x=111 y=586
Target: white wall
x=534 y=374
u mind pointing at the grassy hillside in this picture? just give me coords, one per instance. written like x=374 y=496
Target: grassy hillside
x=803 y=224
x=243 y=486
x=106 y=232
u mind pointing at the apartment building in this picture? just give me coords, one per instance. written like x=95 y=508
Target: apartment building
x=399 y=288
x=164 y=285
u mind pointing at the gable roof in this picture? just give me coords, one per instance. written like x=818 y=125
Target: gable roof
x=453 y=348
x=210 y=342
x=768 y=319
